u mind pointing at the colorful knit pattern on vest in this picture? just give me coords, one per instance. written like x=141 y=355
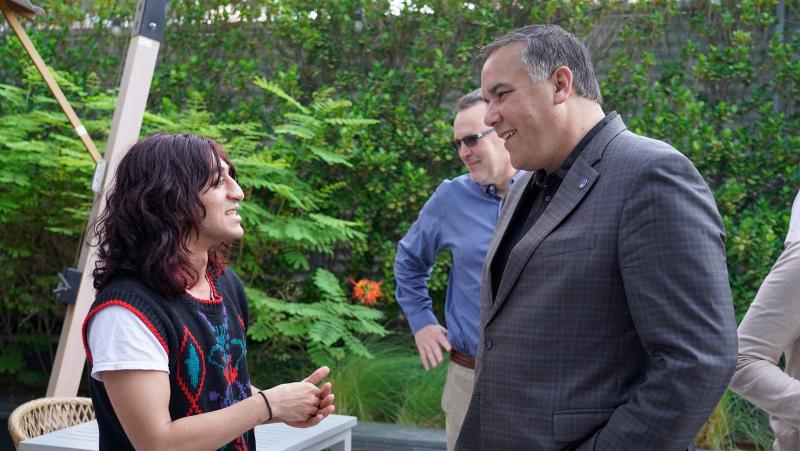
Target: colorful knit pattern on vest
x=206 y=345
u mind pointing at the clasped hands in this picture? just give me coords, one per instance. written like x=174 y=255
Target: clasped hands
x=302 y=404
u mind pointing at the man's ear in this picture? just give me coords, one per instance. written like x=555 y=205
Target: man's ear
x=562 y=84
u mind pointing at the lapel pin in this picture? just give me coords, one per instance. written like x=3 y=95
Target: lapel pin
x=583 y=183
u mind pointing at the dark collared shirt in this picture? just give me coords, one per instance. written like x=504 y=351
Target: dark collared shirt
x=538 y=193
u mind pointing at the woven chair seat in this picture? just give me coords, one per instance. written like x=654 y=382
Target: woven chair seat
x=43 y=415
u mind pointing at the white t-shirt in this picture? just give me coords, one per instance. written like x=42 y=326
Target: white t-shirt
x=119 y=340
x=794 y=222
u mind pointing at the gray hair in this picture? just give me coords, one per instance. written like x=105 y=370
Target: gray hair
x=467 y=100
x=548 y=47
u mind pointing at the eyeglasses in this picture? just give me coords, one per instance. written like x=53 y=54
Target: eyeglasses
x=470 y=140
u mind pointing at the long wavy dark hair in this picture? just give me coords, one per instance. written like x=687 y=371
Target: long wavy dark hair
x=154 y=209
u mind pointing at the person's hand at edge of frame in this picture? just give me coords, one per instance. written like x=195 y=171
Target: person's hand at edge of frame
x=430 y=340
x=302 y=404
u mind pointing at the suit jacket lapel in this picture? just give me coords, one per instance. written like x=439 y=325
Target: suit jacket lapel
x=509 y=207
x=579 y=181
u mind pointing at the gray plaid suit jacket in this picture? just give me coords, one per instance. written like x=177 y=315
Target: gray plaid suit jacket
x=613 y=326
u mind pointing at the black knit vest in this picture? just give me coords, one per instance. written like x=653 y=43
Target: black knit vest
x=206 y=345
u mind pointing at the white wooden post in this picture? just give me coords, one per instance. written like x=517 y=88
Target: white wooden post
x=148 y=31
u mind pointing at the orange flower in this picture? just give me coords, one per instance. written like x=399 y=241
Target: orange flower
x=366 y=291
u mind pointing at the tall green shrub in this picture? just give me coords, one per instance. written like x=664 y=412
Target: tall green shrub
x=711 y=77
x=716 y=81
x=45 y=201
x=45 y=198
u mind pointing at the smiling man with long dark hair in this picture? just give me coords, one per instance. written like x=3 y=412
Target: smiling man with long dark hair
x=166 y=335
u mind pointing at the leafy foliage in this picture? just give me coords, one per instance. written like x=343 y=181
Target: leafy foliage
x=392 y=387
x=330 y=326
x=328 y=190
x=714 y=79
x=46 y=191
x=45 y=200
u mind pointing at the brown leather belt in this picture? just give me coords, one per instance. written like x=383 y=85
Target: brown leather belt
x=462 y=359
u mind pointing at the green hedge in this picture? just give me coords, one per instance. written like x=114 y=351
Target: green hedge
x=710 y=77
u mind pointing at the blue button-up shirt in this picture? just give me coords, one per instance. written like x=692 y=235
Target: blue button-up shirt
x=460 y=216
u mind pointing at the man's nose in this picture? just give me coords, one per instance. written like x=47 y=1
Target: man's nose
x=236 y=193
x=492 y=117
x=464 y=150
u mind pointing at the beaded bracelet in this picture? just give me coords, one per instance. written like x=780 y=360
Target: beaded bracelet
x=269 y=409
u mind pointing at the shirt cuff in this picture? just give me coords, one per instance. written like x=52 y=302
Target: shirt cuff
x=421 y=319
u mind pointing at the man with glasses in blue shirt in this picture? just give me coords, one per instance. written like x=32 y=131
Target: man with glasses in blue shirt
x=460 y=216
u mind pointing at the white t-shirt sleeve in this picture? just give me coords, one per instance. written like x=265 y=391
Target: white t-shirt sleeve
x=119 y=340
x=794 y=222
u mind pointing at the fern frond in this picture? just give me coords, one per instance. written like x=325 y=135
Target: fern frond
x=323 y=355
x=256 y=211
x=330 y=157
x=297 y=231
x=333 y=187
x=329 y=105
x=296 y=260
x=327 y=331
x=15 y=96
x=334 y=222
x=305 y=312
x=287 y=193
x=305 y=120
x=355 y=346
x=295 y=130
x=156 y=120
x=351 y=121
x=278 y=91
x=370 y=328
x=357 y=312
x=100 y=103
x=294 y=327
x=328 y=284
x=197 y=103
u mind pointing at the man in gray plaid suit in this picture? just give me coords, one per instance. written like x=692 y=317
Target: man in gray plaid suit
x=606 y=314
